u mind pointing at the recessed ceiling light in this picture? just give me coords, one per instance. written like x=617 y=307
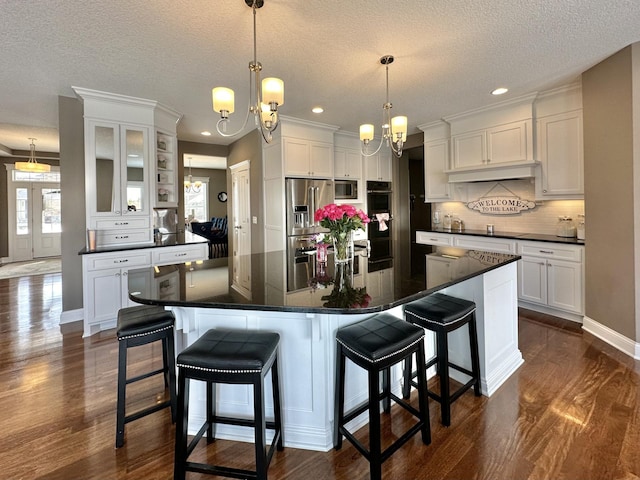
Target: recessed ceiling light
x=500 y=91
x=206 y=133
x=317 y=109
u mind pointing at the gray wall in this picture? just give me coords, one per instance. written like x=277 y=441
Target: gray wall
x=611 y=192
x=249 y=147
x=71 y=125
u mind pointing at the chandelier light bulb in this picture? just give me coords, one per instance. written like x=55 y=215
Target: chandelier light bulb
x=366 y=132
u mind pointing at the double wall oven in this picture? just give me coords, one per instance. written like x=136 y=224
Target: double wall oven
x=380 y=229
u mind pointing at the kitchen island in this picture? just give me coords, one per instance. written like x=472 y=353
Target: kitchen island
x=202 y=295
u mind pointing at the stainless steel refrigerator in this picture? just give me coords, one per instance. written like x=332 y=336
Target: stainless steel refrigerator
x=303 y=198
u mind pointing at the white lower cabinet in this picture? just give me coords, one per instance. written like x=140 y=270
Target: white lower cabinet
x=106 y=281
x=380 y=284
x=551 y=276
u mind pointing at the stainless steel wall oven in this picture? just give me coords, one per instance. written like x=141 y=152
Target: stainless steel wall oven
x=380 y=229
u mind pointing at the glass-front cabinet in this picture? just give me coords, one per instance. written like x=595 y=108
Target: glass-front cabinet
x=130 y=149
x=117 y=182
x=120 y=170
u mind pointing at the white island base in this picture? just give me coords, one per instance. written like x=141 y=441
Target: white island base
x=307 y=358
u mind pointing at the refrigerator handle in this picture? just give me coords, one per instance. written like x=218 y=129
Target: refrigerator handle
x=316 y=192
x=312 y=199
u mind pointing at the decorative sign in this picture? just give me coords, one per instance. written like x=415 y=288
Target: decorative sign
x=501 y=205
x=489 y=258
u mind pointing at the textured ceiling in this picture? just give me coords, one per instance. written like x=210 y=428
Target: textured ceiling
x=449 y=55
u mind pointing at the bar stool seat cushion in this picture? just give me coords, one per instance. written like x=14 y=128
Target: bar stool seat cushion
x=230 y=351
x=378 y=337
x=143 y=320
x=440 y=308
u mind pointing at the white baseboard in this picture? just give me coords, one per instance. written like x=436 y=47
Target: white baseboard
x=613 y=338
x=69 y=316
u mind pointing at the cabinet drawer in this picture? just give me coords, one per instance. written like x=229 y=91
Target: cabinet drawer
x=432 y=238
x=128 y=259
x=121 y=223
x=179 y=254
x=571 y=253
x=501 y=245
x=122 y=237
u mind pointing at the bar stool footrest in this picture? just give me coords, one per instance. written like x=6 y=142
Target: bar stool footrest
x=220 y=470
x=145 y=375
x=146 y=411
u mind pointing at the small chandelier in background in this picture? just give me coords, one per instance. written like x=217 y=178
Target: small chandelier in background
x=32 y=165
x=394 y=130
x=189 y=185
x=264 y=99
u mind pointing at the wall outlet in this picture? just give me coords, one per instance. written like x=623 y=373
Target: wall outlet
x=254 y=220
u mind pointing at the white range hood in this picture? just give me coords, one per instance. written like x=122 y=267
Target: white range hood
x=488 y=173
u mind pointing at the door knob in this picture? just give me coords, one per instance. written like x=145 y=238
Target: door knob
x=238 y=227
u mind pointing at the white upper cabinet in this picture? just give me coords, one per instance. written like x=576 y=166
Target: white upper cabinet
x=307 y=158
x=500 y=134
x=436 y=162
x=347 y=164
x=560 y=144
x=122 y=182
x=378 y=167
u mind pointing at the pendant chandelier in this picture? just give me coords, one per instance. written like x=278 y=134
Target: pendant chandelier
x=32 y=165
x=264 y=98
x=394 y=130
x=189 y=185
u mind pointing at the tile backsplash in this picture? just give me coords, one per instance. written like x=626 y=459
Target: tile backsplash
x=541 y=219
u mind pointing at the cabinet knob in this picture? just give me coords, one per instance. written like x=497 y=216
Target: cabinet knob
x=544 y=191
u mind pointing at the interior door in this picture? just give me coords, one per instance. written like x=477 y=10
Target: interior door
x=241 y=213
x=46 y=217
x=20 y=222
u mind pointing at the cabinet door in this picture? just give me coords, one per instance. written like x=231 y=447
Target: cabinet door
x=371 y=167
x=340 y=163
x=385 y=166
x=321 y=160
x=560 y=151
x=508 y=143
x=139 y=284
x=532 y=280
x=565 y=285
x=102 y=169
x=104 y=289
x=469 y=149
x=296 y=157
x=353 y=165
x=439 y=270
x=436 y=161
x=134 y=171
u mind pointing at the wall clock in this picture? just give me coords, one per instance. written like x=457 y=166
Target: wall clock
x=222 y=196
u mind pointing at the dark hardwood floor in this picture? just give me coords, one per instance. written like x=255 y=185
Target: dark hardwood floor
x=572 y=411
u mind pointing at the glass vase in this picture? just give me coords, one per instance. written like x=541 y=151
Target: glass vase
x=342 y=247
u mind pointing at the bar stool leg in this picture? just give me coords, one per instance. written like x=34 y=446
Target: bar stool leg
x=375 y=445
x=339 y=405
x=169 y=353
x=260 y=428
x=423 y=398
x=122 y=385
x=277 y=408
x=475 y=357
x=211 y=411
x=407 y=376
x=179 y=471
x=386 y=390
x=443 y=372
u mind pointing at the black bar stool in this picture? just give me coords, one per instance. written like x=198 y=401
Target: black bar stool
x=376 y=344
x=442 y=314
x=232 y=357
x=137 y=326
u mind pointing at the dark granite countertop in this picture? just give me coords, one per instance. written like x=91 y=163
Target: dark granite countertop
x=538 y=237
x=167 y=240
x=208 y=285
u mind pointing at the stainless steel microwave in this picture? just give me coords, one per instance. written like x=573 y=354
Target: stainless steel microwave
x=346 y=189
